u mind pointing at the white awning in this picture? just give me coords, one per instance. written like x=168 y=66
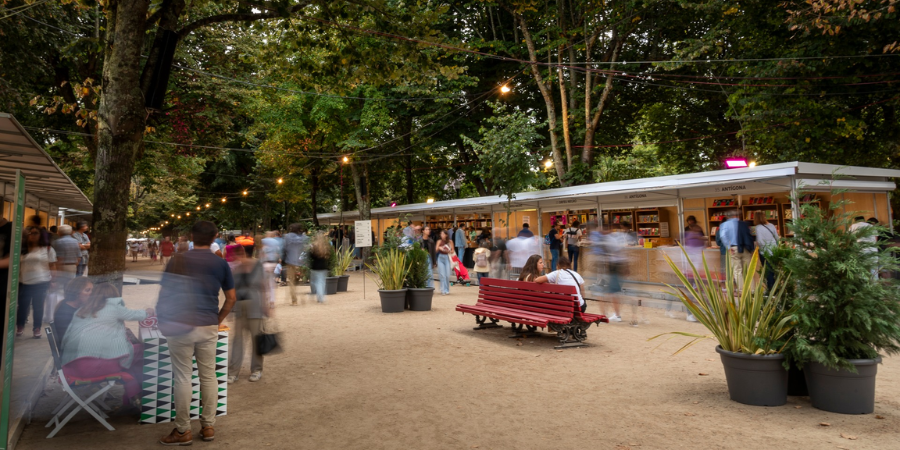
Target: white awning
x=43 y=178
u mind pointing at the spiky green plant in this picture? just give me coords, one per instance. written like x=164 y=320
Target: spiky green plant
x=343 y=259
x=390 y=268
x=751 y=321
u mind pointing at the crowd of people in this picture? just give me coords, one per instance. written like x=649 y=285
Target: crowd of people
x=89 y=320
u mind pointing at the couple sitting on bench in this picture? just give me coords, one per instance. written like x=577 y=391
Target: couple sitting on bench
x=534 y=267
x=551 y=301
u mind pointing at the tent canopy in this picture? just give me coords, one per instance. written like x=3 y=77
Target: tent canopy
x=43 y=178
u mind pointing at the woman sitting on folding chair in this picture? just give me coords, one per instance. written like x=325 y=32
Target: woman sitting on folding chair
x=97 y=342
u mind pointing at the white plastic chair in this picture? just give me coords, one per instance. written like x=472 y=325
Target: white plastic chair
x=93 y=404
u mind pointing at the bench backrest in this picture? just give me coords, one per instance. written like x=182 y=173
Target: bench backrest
x=552 y=299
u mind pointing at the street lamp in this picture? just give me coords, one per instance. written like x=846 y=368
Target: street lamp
x=548 y=164
x=430 y=200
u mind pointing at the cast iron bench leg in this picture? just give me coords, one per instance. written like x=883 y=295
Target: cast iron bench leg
x=517 y=328
x=570 y=335
x=480 y=320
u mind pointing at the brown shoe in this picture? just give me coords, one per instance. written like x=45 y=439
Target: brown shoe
x=207 y=433
x=176 y=438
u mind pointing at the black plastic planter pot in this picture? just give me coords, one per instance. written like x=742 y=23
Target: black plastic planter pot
x=842 y=391
x=331 y=285
x=392 y=301
x=419 y=299
x=758 y=380
x=343 y=280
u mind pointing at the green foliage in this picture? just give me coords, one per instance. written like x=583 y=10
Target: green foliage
x=343 y=257
x=390 y=268
x=843 y=311
x=417 y=277
x=755 y=321
x=506 y=151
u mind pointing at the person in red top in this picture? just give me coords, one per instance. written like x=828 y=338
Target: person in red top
x=166 y=249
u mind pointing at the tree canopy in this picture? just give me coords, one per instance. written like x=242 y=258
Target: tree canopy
x=199 y=102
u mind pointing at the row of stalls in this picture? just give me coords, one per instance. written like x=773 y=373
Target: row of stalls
x=656 y=209
x=25 y=364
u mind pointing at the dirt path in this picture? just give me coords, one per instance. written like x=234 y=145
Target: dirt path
x=353 y=377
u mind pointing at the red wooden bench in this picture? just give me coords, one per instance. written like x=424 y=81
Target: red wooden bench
x=533 y=306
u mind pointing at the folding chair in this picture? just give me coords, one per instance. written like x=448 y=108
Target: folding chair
x=92 y=404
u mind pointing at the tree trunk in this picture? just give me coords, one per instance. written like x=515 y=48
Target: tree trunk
x=314 y=178
x=548 y=100
x=567 y=138
x=407 y=144
x=361 y=185
x=121 y=122
x=591 y=121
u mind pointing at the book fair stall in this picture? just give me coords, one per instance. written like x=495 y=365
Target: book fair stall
x=655 y=210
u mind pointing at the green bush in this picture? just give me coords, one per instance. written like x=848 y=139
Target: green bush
x=418 y=267
x=843 y=312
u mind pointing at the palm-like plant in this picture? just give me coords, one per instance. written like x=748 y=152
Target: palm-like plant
x=343 y=259
x=390 y=268
x=755 y=322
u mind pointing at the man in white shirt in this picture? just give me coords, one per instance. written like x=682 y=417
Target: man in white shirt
x=520 y=249
x=567 y=277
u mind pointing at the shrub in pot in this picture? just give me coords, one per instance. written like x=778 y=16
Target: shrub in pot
x=343 y=259
x=418 y=295
x=750 y=326
x=846 y=316
x=389 y=268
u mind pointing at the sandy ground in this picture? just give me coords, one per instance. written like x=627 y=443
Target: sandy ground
x=352 y=377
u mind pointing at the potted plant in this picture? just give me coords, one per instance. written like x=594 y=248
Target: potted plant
x=846 y=316
x=344 y=257
x=390 y=268
x=331 y=281
x=417 y=294
x=751 y=327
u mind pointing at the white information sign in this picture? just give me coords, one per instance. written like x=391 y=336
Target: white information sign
x=363 y=232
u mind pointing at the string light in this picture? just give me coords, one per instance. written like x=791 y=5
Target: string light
x=223 y=199
x=188 y=214
x=280 y=180
x=245 y=192
x=207 y=205
x=548 y=164
x=346 y=160
x=504 y=89
x=198 y=208
x=430 y=200
x=179 y=217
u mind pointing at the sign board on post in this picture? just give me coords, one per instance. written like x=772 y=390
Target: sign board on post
x=362 y=229
x=12 y=296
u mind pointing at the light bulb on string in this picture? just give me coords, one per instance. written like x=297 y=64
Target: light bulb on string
x=245 y=192
x=346 y=160
x=280 y=180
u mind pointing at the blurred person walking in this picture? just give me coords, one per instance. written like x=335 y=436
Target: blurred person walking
x=429 y=245
x=190 y=320
x=499 y=258
x=68 y=254
x=295 y=245
x=482 y=257
x=444 y=249
x=612 y=245
x=38 y=261
x=520 y=249
x=319 y=255
x=573 y=237
x=251 y=282
x=555 y=245
x=459 y=240
x=166 y=250
x=736 y=238
x=270 y=254
x=766 y=240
